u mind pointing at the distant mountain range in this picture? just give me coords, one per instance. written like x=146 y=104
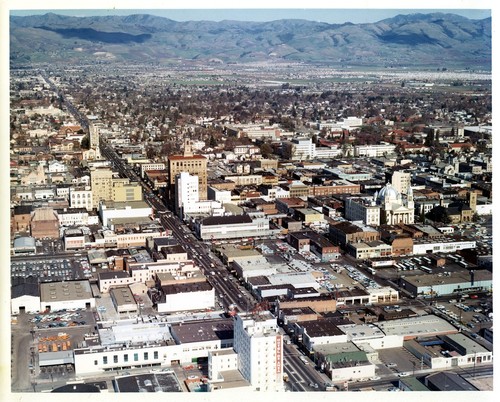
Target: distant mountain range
x=436 y=39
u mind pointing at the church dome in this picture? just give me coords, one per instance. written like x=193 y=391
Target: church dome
x=388 y=192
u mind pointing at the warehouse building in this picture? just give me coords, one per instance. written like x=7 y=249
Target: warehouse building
x=452 y=283
x=123 y=300
x=55 y=296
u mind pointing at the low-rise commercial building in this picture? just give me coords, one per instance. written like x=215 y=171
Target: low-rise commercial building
x=455 y=283
x=445 y=352
x=113 y=279
x=130 y=210
x=55 y=296
x=441 y=244
x=186 y=297
x=234 y=227
x=123 y=300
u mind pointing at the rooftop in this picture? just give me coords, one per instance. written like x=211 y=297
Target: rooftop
x=202 y=331
x=320 y=328
x=67 y=290
x=417 y=326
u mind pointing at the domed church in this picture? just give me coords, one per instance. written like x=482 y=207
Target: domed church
x=394 y=207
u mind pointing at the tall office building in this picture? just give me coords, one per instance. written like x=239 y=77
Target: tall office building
x=401 y=181
x=105 y=187
x=259 y=346
x=94 y=132
x=190 y=163
x=101 y=183
x=186 y=191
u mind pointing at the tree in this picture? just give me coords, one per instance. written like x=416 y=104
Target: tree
x=212 y=142
x=266 y=149
x=438 y=214
x=85 y=144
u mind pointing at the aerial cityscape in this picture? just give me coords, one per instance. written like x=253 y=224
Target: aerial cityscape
x=237 y=205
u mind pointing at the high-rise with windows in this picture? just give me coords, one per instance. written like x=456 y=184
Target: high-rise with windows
x=196 y=165
x=259 y=346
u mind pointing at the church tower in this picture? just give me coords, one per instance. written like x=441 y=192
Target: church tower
x=188 y=147
x=473 y=200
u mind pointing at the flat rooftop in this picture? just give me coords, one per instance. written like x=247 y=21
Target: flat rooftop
x=336 y=348
x=417 y=326
x=186 y=287
x=319 y=328
x=202 y=331
x=456 y=277
x=152 y=382
x=122 y=295
x=67 y=290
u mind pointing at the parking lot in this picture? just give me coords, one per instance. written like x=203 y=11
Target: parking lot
x=398 y=360
x=50 y=269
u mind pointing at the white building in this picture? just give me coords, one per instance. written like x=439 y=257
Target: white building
x=57 y=167
x=253 y=266
x=113 y=279
x=151 y=166
x=187 y=198
x=143 y=271
x=457 y=350
x=246 y=180
x=328 y=152
x=276 y=192
x=25 y=298
x=395 y=208
x=130 y=344
x=187 y=297
x=441 y=244
x=260 y=351
x=130 y=209
x=369 y=250
x=233 y=227
x=186 y=191
x=56 y=296
x=374 y=151
x=363 y=209
x=222 y=196
x=73 y=217
x=302 y=149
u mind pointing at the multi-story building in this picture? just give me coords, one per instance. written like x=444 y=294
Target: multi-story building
x=395 y=208
x=101 y=183
x=374 y=151
x=369 y=250
x=296 y=189
x=81 y=197
x=193 y=164
x=255 y=224
x=106 y=187
x=187 y=199
x=44 y=223
x=345 y=232
x=186 y=190
x=401 y=181
x=363 y=209
x=109 y=210
x=300 y=149
x=151 y=166
x=124 y=191
x=334 y=187
x=259 y=346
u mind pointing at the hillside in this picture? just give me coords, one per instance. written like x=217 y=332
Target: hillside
x=437 y=39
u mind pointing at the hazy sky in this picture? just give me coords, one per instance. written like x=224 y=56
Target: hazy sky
x=325 y=14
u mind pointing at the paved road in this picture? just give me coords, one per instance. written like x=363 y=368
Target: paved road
x=21 y=342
